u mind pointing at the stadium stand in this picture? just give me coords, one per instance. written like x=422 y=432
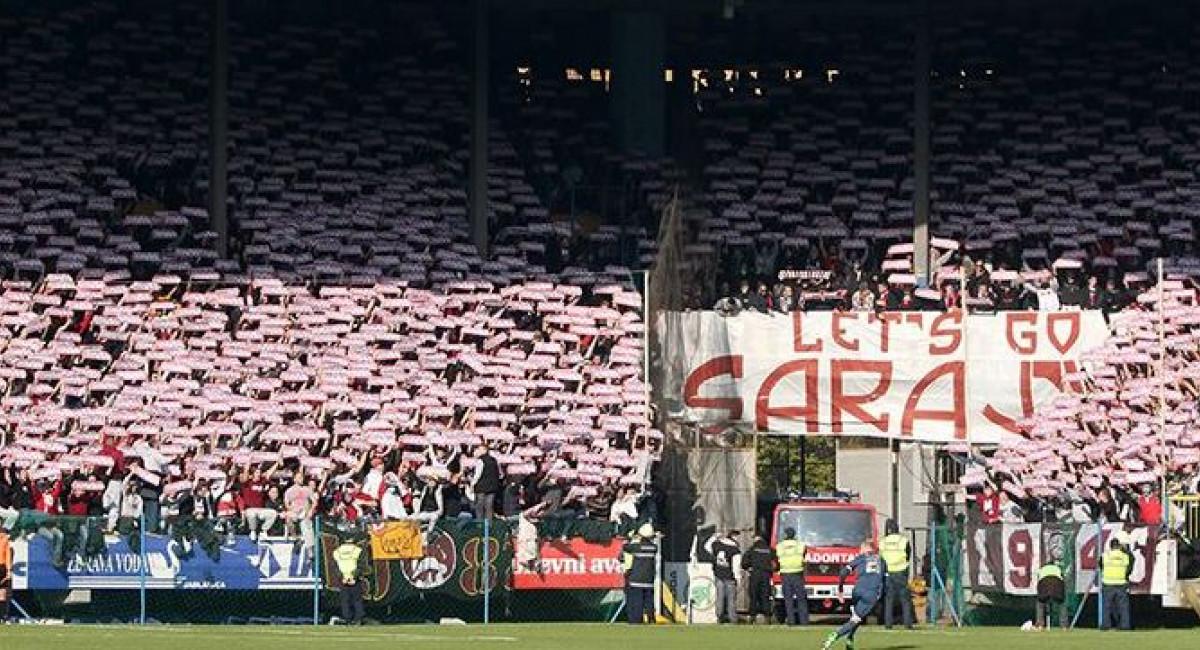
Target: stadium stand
x=201 y=382
x=1057 y=181
x=1045 y=164
x=354 y=320
x=1128 y=420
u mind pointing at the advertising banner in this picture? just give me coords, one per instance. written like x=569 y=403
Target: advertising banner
x=1006 y=557
x=572 y=564
x=936 y=377
x=267 y=564
x=397 y=540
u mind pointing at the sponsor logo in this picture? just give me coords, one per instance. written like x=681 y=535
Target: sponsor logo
x=828 y=557
x=702 y=592
x=436 y=566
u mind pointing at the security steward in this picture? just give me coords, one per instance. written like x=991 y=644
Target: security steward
x=761 y=563
x=791 y=553
x=351 y=564
x=897 y=555
x=638 y=557
x=1051 y=596
x=1115 y=566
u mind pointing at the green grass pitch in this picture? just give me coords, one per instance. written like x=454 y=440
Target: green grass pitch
x=565 y=637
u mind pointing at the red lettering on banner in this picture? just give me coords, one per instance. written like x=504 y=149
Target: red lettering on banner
x=915 y=318
x=1020 y=555
x=839 y=332
x=885 y=320
x=999 y=419
x=808 y=411
x=798 y=335
x=1027 y=343
x=1070 y=367
x=949 y=325
x=1089 y=554
x=724 y=365
x=1051 y=371
x=1071 y=318
x=853 y=404
x=957 y=413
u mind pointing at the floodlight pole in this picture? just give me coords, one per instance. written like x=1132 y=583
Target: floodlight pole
x=218 y=125
x=478 y=182
x=921 y=155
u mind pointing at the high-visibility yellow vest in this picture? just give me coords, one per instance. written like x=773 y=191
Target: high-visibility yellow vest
x=894 y=551
x=1116 y=566
x=791 y=556
x=346 y=557
x=1049 y=571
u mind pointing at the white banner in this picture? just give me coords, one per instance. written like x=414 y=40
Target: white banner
x=937 y=377
x=693 y=587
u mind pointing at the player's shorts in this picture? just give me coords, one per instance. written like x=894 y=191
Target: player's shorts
x=863 y=606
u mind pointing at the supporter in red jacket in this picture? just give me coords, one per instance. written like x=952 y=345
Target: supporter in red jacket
x=1150 y=510
x=47 y=496
x=79 y=501
x=988 y=503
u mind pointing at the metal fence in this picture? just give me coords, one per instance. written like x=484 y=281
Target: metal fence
x=1187 y=509
x=81 y=569
x=987 y=574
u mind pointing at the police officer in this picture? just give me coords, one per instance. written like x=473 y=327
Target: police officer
x=791 y=553
x=761 y=563
x=897 y=553
x=872 y=574
x=1051 y=595
x=637 y=557
x=351 y=565
x=1115 y=566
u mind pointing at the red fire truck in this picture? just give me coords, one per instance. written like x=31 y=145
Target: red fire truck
x=833 y=527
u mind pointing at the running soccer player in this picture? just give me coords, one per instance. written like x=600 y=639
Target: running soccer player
x=872 y=574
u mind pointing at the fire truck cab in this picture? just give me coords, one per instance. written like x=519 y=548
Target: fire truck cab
x=832 y=527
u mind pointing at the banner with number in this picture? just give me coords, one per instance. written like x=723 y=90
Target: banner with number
x=453 y=565
x=938 y=377
x=1006 y=557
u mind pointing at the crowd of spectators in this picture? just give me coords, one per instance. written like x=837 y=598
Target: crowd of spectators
x=354 y=354
x=976 y=289
x=1055 y=147
x=1124 y=428
x=259 y=406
